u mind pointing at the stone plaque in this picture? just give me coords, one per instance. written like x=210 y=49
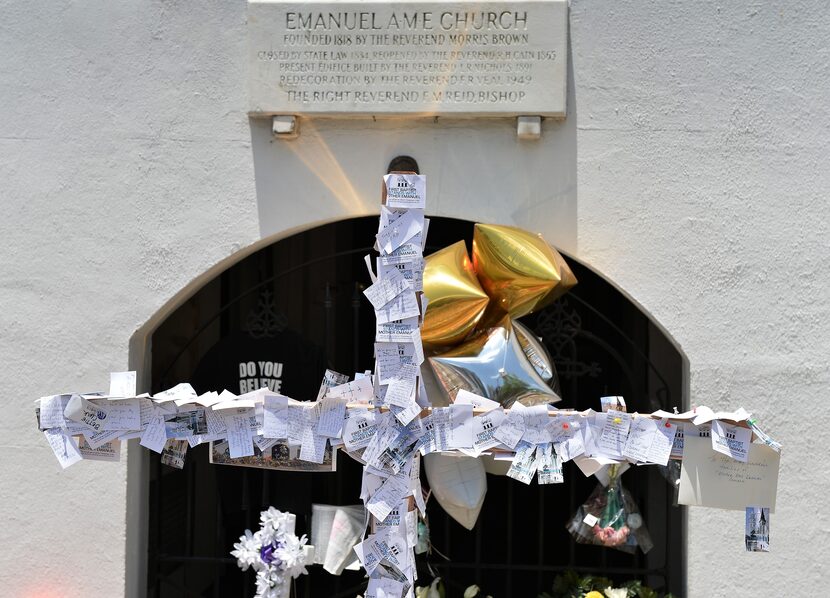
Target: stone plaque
x=491 y=58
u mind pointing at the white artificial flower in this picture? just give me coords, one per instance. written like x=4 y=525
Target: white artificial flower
x=276 y=520
x=246 y=550
x=616 y=593
x=292 y=555
x=267 y=535
x=269 y=584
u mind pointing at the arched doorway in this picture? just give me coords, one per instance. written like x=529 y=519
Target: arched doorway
x=298 y=303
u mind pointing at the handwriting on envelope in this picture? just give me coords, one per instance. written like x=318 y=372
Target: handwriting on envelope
x=711 y=479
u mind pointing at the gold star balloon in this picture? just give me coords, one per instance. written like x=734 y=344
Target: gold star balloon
x=518 y=269
x=456 y=299
x=492 y=364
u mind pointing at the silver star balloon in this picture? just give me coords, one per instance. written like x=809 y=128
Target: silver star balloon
x=493 y=365
x=538 y=355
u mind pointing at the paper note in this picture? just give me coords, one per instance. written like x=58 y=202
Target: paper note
x=756 y=534
x=384 y=587
x=412 y=272
x=611 y=441
x=570 y=446
x=297 y=420
x=174 y=453
x=536 y=424
x=386 y=435
x=731 y=440
x=381 y=546
x=63 y=446
x=640 y=436
x=346 y=530
x=401 y=307
x=274 y=416
x=712 y=479
x=313 y=448
x=484 y=430
x=461 y=426
x=389 y=496
x=358 y=429
x=98 y=439
x=386 y=289
x=523 y=467
x=330 y=379
x=239 y=435
x=406 y=253
x=109 y=451
x=402 y=229
x=612 y=403
x=591 y=430
x=396 y=331
x=86 y=412
x=357 y=391
x=154 y=436
x=51 y=411
x=465 y=397
x=662 y=443
x=548 y=465
x=122 y=384
x=405 y=191
x=331 y=417
x=186 y=422
x=401 y=389
x=677 y=443
x=180 y=392
x=512 y=428
x=406 y=415
x=391 y=357
x=440 y=428
x=123 y=415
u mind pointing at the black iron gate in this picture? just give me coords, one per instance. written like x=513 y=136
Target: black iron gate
x=298 y=300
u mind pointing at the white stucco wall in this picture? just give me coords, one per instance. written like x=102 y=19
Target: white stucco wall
x=692 y=170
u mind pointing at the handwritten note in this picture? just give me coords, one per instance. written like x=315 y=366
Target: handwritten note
x=611 y=441
x=274 y=416
x=461 y=427
x=155 y=436
x=400 y=230
x=239 y=435
x=384 y=290
x=401 y=307
x=51 y=411
x=331 y=417
x=123 y=415
x=513 y=427
x=122 y=384
x=63 y=446
x=712 y=479
x=389 y=496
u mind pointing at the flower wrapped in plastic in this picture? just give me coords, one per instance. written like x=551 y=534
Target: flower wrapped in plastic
x=274 y=552
x=610 y=518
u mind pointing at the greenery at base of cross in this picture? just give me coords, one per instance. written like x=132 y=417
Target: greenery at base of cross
x=571 y=585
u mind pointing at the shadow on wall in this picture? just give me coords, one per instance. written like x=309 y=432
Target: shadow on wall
x=476 y=168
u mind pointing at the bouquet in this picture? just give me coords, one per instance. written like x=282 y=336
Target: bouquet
x=275 y=553
x=610 y=518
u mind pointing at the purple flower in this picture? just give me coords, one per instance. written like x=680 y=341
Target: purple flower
x=266 y=553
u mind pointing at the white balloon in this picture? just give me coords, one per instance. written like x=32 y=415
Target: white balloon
x=459 y=484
